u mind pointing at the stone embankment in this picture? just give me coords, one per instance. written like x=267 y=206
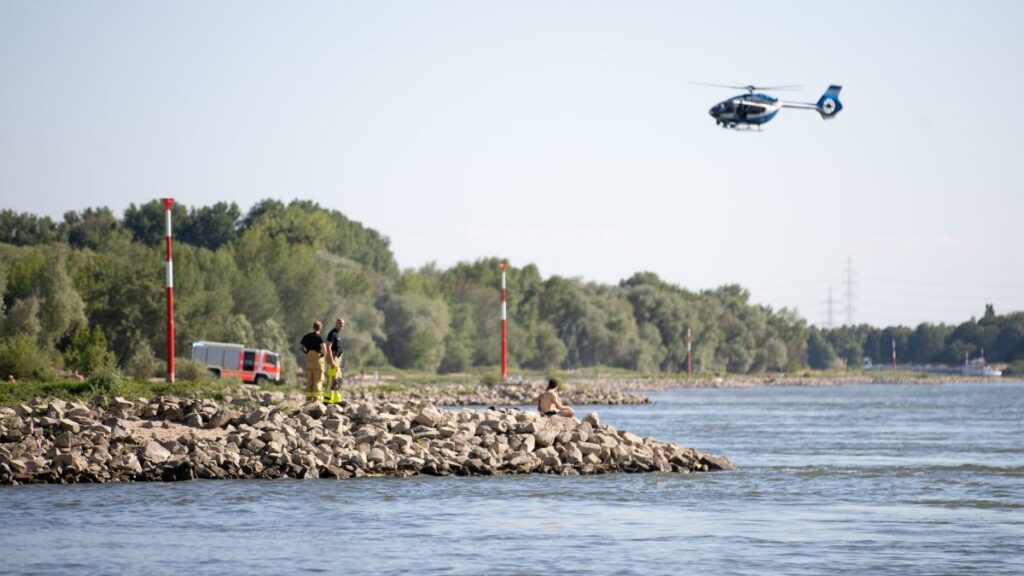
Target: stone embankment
x=517 y=394
x=175 y=439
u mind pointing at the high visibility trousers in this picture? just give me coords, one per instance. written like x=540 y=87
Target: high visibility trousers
x=314 y=376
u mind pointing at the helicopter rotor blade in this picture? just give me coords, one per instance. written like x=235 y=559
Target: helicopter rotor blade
x=781 y=87
x=733 y=86
x=749 y=87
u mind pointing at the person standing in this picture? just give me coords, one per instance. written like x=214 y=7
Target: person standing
x=314 y=347
x=335 y=359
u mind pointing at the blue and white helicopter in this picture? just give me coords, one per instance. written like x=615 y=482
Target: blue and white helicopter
x=751 y=110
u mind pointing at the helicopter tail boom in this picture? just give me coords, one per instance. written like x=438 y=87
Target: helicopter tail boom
x=828 y=105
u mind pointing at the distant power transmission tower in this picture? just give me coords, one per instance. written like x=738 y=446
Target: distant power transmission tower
x=848 y=290
x=829 y=310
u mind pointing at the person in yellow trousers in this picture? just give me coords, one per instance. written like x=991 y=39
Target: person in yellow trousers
x=335 y=361
x=314 y=347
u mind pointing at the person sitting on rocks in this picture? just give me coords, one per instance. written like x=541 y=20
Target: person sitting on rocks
x=549 y=404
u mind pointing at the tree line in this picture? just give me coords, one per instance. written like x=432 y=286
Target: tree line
x=88 y=292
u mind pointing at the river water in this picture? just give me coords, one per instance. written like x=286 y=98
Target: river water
x=853 y=479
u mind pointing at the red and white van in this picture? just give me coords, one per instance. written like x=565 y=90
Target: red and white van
x=249 y=364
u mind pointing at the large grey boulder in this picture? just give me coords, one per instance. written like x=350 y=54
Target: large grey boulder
x=545 y=437
x=430 y=416
x=154 y=453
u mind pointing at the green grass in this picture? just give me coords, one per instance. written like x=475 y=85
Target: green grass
x=69 y=389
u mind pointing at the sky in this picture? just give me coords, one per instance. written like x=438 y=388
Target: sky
x=566 y=134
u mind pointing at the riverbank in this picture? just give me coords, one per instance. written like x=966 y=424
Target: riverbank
x=593 y=393
x=641 y=384
x=578 y=390
x=176 y=439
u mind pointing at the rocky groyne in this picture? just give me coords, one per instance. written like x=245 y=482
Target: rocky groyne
x=178 y=439
x=516 y=394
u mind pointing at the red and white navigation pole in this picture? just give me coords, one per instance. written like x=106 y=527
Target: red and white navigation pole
x=689 y=352
x=504 y=326
x=894 y=355
x=168 y=202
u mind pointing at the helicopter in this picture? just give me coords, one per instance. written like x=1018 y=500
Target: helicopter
x=754 y=109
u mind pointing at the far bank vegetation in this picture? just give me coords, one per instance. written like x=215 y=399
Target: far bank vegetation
x=86 y=295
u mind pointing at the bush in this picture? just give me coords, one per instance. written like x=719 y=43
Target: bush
x=490 y=379
x=188 y=369
x=21 y=357
x=105 y=381
x=88 y=352
x=142 y=364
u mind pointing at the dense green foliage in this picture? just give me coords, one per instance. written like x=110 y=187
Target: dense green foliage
x=86 y=294
x=1000 y=338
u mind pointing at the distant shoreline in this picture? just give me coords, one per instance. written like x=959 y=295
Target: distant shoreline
x=736 y=381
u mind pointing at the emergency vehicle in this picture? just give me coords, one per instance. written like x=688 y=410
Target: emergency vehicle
x=250 y=364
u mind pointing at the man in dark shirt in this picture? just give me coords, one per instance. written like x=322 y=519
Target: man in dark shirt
x=314 y=347
x=335 y=358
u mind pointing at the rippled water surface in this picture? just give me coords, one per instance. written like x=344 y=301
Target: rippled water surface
x=853 y=479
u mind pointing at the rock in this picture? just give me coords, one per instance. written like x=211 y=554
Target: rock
x=154 y=453
x=592 y=419
x=545 y=437
x=429 y=416
x=376 y=455
x=548 y=456
x=194 y=420
x=257 y=415
x=314 y=410
x=69 y=425
x=366 y=411
x=334 y=425
x=716 y=462
x=411 y=463
x=589 y=448
x=221 y=418
x=572 y=455
x=631 y=438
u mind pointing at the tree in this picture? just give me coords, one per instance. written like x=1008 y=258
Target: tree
x=925 y=344
x=211 y=226
x=416 y=327
x=62 y=311
x=550 y=350
x=95 y=228
x=22 y=319
x=458 y=346
x=147 y=222
x=820 y=354
x=773 y=355
x=26 y=229
x=88 y=351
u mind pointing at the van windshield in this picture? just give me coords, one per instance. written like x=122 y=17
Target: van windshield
x=272 y=359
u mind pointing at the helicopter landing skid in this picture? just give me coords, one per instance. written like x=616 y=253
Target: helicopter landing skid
x=743 y=127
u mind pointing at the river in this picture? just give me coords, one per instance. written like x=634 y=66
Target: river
x=873 y=479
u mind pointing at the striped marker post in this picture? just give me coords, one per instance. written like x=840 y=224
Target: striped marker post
x=893 y=355
x=689 y=352
x=168 y=202
x=504 y=327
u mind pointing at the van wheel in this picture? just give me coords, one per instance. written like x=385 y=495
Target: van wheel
x=215 y=372
x=260 y=379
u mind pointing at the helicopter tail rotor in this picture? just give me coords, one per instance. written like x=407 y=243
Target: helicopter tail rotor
x=829 y=105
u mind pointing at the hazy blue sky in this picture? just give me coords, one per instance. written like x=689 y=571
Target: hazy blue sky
x=560 y=133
